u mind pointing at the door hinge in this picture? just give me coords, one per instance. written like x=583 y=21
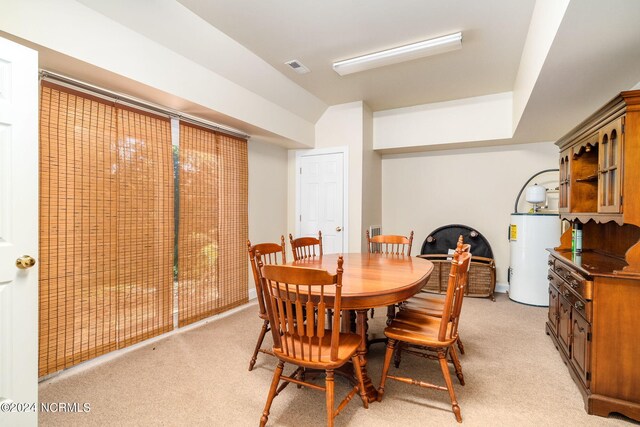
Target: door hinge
x=300 y=218
x=588 y=336
x=622 y=131
x=588 y=376
x=620 y=200
x=300 y=171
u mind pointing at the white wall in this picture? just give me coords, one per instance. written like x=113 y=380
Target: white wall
x=340 y=126
x=475 y=187
x=371 y=178
x=267 y=195
x=481 y=118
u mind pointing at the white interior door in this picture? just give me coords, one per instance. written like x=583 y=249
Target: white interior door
x=18 y=234
x=322 y=199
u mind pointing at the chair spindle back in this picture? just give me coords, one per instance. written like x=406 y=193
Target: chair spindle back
x=290 y=293
x=389 y=244
x=458 y=278
x=306 y=247
x=269 y=253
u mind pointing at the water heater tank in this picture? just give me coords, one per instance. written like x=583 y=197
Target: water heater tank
x=529 y=237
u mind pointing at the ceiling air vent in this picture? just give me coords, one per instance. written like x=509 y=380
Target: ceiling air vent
x=297 y=66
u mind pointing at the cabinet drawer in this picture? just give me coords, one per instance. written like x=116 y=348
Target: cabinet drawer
x=579 y=305
x=574 y=280
x=554 y=280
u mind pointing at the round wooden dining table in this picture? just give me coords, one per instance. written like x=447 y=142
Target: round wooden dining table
x=368 y=281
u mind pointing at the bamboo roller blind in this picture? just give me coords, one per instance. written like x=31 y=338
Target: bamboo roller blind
x=213 y=223
x=106 y=227
x=107 y=230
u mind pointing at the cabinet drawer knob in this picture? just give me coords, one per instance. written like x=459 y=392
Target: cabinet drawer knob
x=579 y=305
x=549 y=277
x=576 y=276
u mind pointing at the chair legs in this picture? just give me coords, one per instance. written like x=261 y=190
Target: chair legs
x=444 y=366
x=391 y=313
x=358 y=370
x=263 y=332
x=329 y=391
x=460 y=345
x=456 y=364
x=397 y=356
x=272 y=393
x=391 y=344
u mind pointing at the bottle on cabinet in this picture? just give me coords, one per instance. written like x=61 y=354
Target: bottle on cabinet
x=576 y=238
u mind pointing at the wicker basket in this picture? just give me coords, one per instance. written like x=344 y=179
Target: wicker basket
x=482 y=275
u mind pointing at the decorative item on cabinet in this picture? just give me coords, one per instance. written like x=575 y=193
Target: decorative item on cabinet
x=594 y=294
x=576 y=238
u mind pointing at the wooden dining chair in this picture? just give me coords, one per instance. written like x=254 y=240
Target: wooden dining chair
x=426 y=303
x=389 y=244
x=270 y=253
x=310 y=343
x=306 y=247
x=433 y=334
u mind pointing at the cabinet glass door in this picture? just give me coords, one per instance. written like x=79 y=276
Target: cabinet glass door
x=610 y=153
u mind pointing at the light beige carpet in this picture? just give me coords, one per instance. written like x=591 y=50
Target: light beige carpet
x=514 y=377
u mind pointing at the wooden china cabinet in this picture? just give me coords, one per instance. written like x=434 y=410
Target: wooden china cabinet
x=594 y=296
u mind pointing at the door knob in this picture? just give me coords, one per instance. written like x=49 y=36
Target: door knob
x=25 y=261
x=338 y=229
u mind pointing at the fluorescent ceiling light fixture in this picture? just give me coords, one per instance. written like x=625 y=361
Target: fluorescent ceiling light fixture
x=399 y=54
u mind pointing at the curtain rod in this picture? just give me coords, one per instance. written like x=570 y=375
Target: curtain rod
x=145 y=105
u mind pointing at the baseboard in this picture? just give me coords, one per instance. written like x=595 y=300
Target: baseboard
x=502 y=288
x=65 y=373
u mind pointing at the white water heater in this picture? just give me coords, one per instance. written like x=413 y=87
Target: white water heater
x=530 y=234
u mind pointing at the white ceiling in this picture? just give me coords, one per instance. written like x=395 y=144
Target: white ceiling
x=318 y=33
x=594 y=54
